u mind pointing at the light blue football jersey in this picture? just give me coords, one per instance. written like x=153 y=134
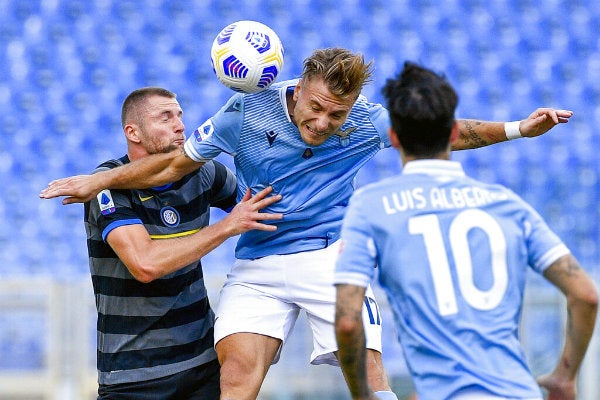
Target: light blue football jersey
x=316 y=182
x=452 y=255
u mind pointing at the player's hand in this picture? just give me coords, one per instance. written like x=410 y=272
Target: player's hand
x=558 y=389
x=246 y=214
x=77 y=189
x=542 y=120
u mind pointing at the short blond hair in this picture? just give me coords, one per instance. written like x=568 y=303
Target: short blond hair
x=344 y=72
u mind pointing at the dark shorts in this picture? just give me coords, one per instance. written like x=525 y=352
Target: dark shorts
x=200 y=383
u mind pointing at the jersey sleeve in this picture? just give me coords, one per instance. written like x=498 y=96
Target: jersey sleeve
x=224 y=188
x=111 y=208
x=357 y=257
x=220 y=133
x=380 y=119
x=544 y=247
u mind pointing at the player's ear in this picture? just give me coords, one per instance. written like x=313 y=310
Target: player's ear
x=393 y=138
x=297 y=90
x=454 y=133
x=132 y=132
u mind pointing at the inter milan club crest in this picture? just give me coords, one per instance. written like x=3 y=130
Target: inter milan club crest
x=307 y=154
x=344 y=136
x=170 y=216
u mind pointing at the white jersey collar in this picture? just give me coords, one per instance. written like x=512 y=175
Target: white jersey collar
x=283 y=99
x=434 y=167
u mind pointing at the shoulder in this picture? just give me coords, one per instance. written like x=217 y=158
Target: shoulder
x=372 y=115
x=110 y=164
x=215 y=173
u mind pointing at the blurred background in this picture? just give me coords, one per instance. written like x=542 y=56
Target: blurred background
x=67 y=65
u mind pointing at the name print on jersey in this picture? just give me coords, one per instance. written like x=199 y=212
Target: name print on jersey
x=439 y=198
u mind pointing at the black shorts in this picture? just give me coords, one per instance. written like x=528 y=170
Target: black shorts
x=200 y=383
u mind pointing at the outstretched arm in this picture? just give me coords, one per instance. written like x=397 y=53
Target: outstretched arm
x=474 y=133
x=150 y=171
x=582 y=306
x=148 y=259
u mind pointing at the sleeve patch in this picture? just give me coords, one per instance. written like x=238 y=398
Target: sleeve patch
x=106 y=203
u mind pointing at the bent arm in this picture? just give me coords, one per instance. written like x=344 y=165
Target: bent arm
x=474 y=133
x=148 y=259
x=151 y=171
x=582 y=307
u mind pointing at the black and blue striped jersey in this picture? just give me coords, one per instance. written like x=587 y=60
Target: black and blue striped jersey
x=150 y=330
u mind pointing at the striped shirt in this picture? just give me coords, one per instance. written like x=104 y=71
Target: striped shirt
x=315 y=182
x=150 y=330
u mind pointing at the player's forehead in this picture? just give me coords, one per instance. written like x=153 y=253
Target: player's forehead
x=157 y=104
x=317 y=91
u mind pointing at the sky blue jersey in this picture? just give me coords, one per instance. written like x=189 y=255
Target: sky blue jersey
x=452 y=255
x=316 y=182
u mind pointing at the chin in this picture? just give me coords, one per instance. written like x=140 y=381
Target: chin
x=314 y=141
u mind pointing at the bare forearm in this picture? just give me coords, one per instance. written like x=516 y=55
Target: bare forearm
x=474 y=134
x=580 y=327
x=352 y=356
x=349 y=331
x=582 y=307
x=150 y=171
x=151 y=259
x=173 y=255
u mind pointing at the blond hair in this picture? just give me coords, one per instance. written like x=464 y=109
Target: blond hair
x=344 y=72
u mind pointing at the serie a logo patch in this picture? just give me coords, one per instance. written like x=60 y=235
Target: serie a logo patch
x=204 y=131
x=106 y=203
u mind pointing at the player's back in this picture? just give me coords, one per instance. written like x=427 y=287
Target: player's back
x=453 y=255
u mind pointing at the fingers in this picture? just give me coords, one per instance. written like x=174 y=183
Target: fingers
x=260 y=199
x=247 y=195
x=54 y=188
x=72 y=200
x=269 y=216
x=265 y=227
x=558 y=116
x=268 y=201
x=564 y=113
x=259 y=195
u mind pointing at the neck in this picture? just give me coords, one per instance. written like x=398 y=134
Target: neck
x=445 y=155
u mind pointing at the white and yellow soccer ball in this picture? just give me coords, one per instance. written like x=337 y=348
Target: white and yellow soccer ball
x=247 y=56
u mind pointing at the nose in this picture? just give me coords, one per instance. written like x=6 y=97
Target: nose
x=179 y=126
x=321 y=123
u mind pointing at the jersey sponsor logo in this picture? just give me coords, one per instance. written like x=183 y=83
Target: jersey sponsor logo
x=271 y=137
x=308 y=153
x=170 y=216
x=204 y=131
x=144 y=198
x=344 y=135
x=106 y=203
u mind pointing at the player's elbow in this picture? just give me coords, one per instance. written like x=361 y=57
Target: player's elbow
x=585 y=298
x=144 y=271
x=345 y=328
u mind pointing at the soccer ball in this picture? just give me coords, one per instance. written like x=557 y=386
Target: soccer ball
x=247 y=56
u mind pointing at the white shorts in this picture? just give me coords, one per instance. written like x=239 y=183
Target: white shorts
x=265 y=296
x=479 y=395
